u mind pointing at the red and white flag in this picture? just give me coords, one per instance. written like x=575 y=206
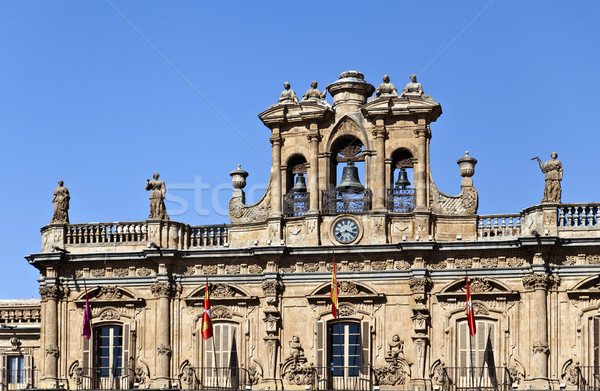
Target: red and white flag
x=470 y=312
x=207 y=330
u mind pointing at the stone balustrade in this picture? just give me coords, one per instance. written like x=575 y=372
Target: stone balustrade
x=498 y=226
x=578 y=216
x=208 y=236
x=106 y=232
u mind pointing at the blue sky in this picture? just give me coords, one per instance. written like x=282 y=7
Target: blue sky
x=102 y=94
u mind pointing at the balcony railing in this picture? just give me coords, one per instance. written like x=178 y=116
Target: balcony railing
x=499 y=226
x=296 y=204
x=347 y=201
x=208 y=236
x=586 y=378
x=219 y=378
x=102 y=379
x=106 y=232
x=400 y=200
x=343 y=378
x=476 y=378
x=18 y=379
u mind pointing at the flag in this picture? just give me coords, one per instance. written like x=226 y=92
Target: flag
x=334 y=292
x=207 y=330
x=470 y=313
x=87 y=316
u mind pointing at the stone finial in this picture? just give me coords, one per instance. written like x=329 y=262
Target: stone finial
x=554 y=174
x=413 y=88
x=238 y=177
x=386 y=88
x=466 y=165
x=61 y=204
x=288 y=95
x=158 y=210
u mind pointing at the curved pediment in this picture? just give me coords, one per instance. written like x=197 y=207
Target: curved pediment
x=587 y=287
x=108 y=294
x=480 y=287
x=220 y=292
x=346 y=290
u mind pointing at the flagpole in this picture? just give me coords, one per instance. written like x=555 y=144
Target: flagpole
x=470 y=336
x=337 y=316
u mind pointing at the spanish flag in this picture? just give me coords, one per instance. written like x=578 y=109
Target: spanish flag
x=207 y=330
x=470 y=312
x=334 y=292
x=87 y=316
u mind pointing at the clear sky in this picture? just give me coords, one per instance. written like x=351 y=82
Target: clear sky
x=102 y=94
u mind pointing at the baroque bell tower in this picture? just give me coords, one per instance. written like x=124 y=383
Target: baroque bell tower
x=334 y=169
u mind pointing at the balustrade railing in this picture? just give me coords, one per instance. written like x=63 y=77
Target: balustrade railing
x=347 y=201
x=578 y=215
x=102 y=379
x=498 y=226
x=18 y=379
x=209 y=236
x=106 y=232
x=400 y=200
x=296 y=204
x=476 y=378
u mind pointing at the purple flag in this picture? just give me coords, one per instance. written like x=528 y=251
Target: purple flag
x=87 y=316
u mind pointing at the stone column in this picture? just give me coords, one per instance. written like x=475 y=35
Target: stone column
x=276 y=142
x=162 y=291
x=420 y=287
x=420 y=175
x=313 y=173
x=538 y=284
x=378 y=184
x=272 y=319
x=50 y=295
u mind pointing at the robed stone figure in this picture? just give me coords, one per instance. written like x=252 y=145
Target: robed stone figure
x=158 y=211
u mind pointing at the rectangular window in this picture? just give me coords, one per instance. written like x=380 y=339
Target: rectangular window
x=476 y=364
x=221 y=357
x=15 y=368
x=108 y=341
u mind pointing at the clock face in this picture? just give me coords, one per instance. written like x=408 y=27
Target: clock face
x=345 y=230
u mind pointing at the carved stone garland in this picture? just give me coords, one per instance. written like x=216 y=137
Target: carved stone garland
x=272 y=289
x=420 y=288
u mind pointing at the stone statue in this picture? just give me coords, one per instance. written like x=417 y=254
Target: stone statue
x=554 y=173
x=288 y=95
x=386 y=88
x=61 y=204
x=313 y=94
x=297 y=353
x=158 y=210
x=396 y=347
x=413 y=88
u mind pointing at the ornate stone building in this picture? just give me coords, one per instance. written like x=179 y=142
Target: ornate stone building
x=402 y=249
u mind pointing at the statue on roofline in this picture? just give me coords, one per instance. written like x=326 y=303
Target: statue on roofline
x=158 y=211
x=413 y=88
x=61 y=204
x=313 y=94
x=288 y=95
x=386 y=88
x=554 y=174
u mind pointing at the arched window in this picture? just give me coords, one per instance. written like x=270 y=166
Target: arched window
x=401 y=193
x=296 y=199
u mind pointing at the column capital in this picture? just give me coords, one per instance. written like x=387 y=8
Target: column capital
x=161 y=289
x=541 y=281
x=314 y=136
x=380 y=132
x=50 y=292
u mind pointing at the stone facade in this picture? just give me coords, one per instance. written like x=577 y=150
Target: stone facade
x=401 y=254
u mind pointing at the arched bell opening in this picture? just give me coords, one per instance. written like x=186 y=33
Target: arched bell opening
x=296 y=198
x=401 y=193
x=347 y=192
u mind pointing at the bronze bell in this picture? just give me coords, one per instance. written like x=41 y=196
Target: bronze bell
x=300 y=186
x=350 y=180
x=402 y=181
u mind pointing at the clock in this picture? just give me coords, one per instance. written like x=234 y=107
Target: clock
x=345 y=230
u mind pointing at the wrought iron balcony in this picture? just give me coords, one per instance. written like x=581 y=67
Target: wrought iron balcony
x=347 y=201
x=102 y=379
x=586 y=378
x=296 y=204
x=474 y=378
x=18 y=379
x=401 y=200
x=217 y=378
